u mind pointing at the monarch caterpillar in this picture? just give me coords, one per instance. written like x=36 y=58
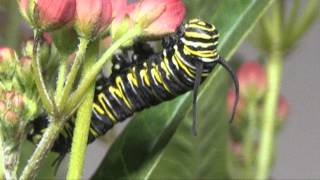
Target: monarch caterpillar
x=187 y=58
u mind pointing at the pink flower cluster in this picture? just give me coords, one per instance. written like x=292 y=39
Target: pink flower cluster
x=253 y=84
x=11 y=104
x=92 y=17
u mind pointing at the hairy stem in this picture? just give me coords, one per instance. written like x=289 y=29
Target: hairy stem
x=11 y=156
x=42 y=149
x=12 y=137
x=41 y=87
x=250 y=138
x=96 y=68
x=274 y=70
x=73 y=72
x=61 y=76
x=82 y=124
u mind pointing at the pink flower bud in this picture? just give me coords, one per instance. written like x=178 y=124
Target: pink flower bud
x=17 y=102
x=119 y=8
x=252 y=79
x=158 y=17
x=283 y=108
x=6 y=53
x=27 y=10
x=120 y=24
x=11 y=117
x=92 y=17
x=48 y=14
x=8 y=62
x=24 y=72
x=25 y=63
x=9 y=94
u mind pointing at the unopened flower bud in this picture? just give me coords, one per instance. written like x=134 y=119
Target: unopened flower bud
x=45 y=50
x=14 y=100
x=157 y=18
x=252 y=79
x=25 y=62
x=11 y=118
x=17 y=102
x=27 y=10
x=92 y=17
x=121 y=22
x=47 y=14
x=8 y=61
x=119 y=8
x=6 y=53
x=9 y=94
x=27 y=47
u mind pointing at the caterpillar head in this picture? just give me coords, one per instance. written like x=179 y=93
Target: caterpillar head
x=199 y=39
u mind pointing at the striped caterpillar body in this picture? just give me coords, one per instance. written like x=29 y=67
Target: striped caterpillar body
x=187 y=58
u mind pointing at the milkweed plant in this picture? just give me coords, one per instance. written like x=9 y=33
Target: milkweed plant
x=55 y=69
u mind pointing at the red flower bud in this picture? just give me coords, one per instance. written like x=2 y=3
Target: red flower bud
x=48 y=14
x=252 y=79
x=283 y=108
x=92 y=17
x=158 y=17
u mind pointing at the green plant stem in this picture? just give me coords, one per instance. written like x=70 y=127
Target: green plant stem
x=61 y=76
x=42 y=149
x=41 y=87
x=250 y=138
x=82 y=124
x=73 y=72
x=11 y=156
x=274 y=70
x=12 y=137
x=96 y=68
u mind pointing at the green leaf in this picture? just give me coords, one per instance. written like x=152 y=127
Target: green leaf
x=202 y=156
x=139 y=149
